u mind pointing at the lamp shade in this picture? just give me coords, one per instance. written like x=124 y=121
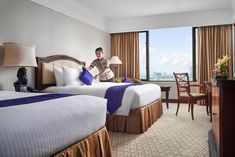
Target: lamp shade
x=18 y=55
x=115 y=60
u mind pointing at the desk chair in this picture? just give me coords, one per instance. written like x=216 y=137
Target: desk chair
x=185 y=94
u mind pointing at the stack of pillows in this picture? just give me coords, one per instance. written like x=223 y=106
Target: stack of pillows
x=67 y=76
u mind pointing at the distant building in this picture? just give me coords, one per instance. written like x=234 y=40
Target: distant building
x=157 y=75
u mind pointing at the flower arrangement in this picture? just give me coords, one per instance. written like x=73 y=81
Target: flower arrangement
x=221 y=67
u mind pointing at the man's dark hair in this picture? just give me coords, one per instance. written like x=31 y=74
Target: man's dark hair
x=99 y=49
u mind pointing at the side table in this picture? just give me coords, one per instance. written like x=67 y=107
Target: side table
x=166 y=89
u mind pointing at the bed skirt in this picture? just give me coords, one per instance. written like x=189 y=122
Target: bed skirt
x=138 y=120
x=95 y=145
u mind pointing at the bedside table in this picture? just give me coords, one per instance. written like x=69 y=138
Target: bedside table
x=20 y=88
x=24 y=88
x=166 y=89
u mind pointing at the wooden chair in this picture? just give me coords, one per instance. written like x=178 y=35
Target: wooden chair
x=185 y=94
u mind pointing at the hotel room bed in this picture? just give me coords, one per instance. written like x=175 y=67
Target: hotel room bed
x=141 y=105
x=134 y=96
x=55 y=127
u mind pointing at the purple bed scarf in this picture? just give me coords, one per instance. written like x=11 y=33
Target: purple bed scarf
x=31 y=99
x=114 y=95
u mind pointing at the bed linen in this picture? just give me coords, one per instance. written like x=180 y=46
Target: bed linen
x=46 y=127
x=134 y=96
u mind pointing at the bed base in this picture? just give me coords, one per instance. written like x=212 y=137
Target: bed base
x=138 y=120
x=95 y=145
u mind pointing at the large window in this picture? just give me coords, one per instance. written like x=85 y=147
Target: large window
x=164 y=51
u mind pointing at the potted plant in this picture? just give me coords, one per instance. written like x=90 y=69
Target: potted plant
x=221 y=69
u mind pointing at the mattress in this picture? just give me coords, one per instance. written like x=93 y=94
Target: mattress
x=134 y=96
x=43 y=128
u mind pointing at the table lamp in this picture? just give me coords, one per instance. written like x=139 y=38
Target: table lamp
x=115 y=60
x=19 y=55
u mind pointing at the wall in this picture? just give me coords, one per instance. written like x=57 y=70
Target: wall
x=233 y=10
x=51 y=32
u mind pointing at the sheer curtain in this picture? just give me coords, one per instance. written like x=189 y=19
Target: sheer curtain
x=213 y=42
x=126 y=47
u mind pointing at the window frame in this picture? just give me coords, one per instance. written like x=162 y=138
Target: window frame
x=147 y=55
x=193 y=58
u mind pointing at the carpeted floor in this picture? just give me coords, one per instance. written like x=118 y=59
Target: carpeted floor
x=170 y=136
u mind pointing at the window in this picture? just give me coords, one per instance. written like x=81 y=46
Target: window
x=164 y=51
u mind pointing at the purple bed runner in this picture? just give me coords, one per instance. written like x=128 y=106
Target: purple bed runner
x=31 y=99
x=114 y=95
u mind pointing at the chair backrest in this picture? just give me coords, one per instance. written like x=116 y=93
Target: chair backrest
x=182 y=83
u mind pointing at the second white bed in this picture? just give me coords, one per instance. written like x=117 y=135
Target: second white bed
x=134 y=96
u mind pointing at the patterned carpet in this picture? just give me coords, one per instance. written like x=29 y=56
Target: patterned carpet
x=170 y=136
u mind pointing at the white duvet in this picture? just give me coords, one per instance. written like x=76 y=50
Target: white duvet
x=43 y=128
x=134 y=96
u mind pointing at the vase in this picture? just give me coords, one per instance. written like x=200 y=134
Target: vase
x=219 y=78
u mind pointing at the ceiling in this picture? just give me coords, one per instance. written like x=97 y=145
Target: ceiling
x=100 y=12
x=113 y=9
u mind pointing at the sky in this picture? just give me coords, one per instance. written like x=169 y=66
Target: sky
x=170 y=50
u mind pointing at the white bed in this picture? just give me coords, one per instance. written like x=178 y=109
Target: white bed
x=134 y=96
x=46 y=127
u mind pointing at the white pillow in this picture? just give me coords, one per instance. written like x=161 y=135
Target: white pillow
x=71 y=76
x=58 y=72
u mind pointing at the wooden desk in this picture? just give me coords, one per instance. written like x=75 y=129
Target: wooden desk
x=222 y=136
x=166 y=89
x=209 y=93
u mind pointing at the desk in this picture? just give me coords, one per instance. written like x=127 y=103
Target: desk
x=222 y=137
x=166 y=89
x=209 y=92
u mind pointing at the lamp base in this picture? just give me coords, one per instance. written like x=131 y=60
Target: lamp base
x=22 y=81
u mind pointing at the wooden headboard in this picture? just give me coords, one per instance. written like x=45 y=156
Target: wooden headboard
x=44 y=76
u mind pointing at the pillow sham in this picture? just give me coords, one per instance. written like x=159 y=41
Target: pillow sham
x=58 y=73
x=125 y=80
x=71 y=76
x=86 y=77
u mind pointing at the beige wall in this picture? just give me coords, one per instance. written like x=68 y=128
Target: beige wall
x=233 y=9
x=51 y=32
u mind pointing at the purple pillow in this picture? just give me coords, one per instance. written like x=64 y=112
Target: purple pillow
x=125 y=80
x=86 y=76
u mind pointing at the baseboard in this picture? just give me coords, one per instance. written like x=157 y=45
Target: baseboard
x=212 y=144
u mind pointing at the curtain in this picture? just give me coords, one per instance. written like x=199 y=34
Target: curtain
x=213 y=42
x=126 y=47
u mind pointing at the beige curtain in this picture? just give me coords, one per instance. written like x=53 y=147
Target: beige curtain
x=213 y=42
x=126 y=47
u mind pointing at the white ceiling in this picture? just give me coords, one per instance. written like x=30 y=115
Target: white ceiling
x=113 y=9
x=100 y=13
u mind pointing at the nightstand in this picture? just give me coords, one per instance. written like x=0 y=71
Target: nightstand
x=166 y=89
x=20 y=88
x=25 y=88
